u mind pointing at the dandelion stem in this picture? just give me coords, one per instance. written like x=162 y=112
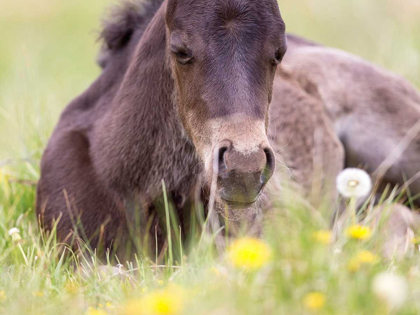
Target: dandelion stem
x=23 y=254
x=352 y=209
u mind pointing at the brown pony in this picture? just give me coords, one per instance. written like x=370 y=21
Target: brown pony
x=184 y=99
x=185 y=102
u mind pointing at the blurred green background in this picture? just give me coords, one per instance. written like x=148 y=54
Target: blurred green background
x=48 y=51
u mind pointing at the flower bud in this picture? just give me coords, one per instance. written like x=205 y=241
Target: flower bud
x=14 y=233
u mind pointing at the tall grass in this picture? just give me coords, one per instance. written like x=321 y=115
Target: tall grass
x=47 y=57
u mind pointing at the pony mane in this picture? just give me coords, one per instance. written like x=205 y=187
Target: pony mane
x=122 y=20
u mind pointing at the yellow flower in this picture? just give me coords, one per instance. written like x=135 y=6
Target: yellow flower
x=2 y=296
x=109 y=305
x=359 y=232
x=362 y=258
x=323 y=236
x=93 y=311
x=169 y=301
x=249 y=253
x=38 y=294
x=71 y=288
x=314 y=300
x=367 y=257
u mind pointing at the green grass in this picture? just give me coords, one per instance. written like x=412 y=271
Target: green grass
x=47 y=57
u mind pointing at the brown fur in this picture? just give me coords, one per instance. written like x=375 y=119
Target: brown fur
x=371 y=109
x=375 y=115
x=147 y=119
x=304 y=140
x=117 y=142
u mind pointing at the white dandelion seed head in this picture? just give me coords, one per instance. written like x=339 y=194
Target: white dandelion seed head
x=353 y=183
x=13 y=231
x=390 y=288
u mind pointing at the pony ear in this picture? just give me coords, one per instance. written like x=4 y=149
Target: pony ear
x=120 y=25
x=124 y=19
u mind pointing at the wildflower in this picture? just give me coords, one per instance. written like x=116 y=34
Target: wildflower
x=249 y=253
x=38 y=294
x=71 y=288
x=323 y=236
x=109 y=305
x=314 y=300
x=94 y=311
x=366 y=256
x=363 y=258
x=353 y=183
x=391 y=289
x=416 y=241
x=15 y=234
x=169 y=301
x=359 y=232
x=120 y=268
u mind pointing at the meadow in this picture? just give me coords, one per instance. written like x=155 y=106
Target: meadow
x=47 y=57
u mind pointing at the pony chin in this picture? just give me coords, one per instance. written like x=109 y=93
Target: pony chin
x=239 y=212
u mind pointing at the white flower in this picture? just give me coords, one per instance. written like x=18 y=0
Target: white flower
x=14 y=231
x=120 y=268
x=14 y=234
x=390 y=288
x=353 y=182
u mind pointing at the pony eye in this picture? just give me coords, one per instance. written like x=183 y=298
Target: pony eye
x=278 y=56
x=183 y=55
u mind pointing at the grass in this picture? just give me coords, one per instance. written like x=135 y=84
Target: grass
x=47 y=58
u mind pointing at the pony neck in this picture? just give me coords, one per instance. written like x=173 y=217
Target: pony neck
x=141 y=140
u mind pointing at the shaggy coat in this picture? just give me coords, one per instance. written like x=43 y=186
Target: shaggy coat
x=115 y=144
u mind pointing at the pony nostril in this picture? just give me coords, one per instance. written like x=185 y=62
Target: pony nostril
x=269 y=167
x=269 y=154
x=242 y=175
x=222 y=153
